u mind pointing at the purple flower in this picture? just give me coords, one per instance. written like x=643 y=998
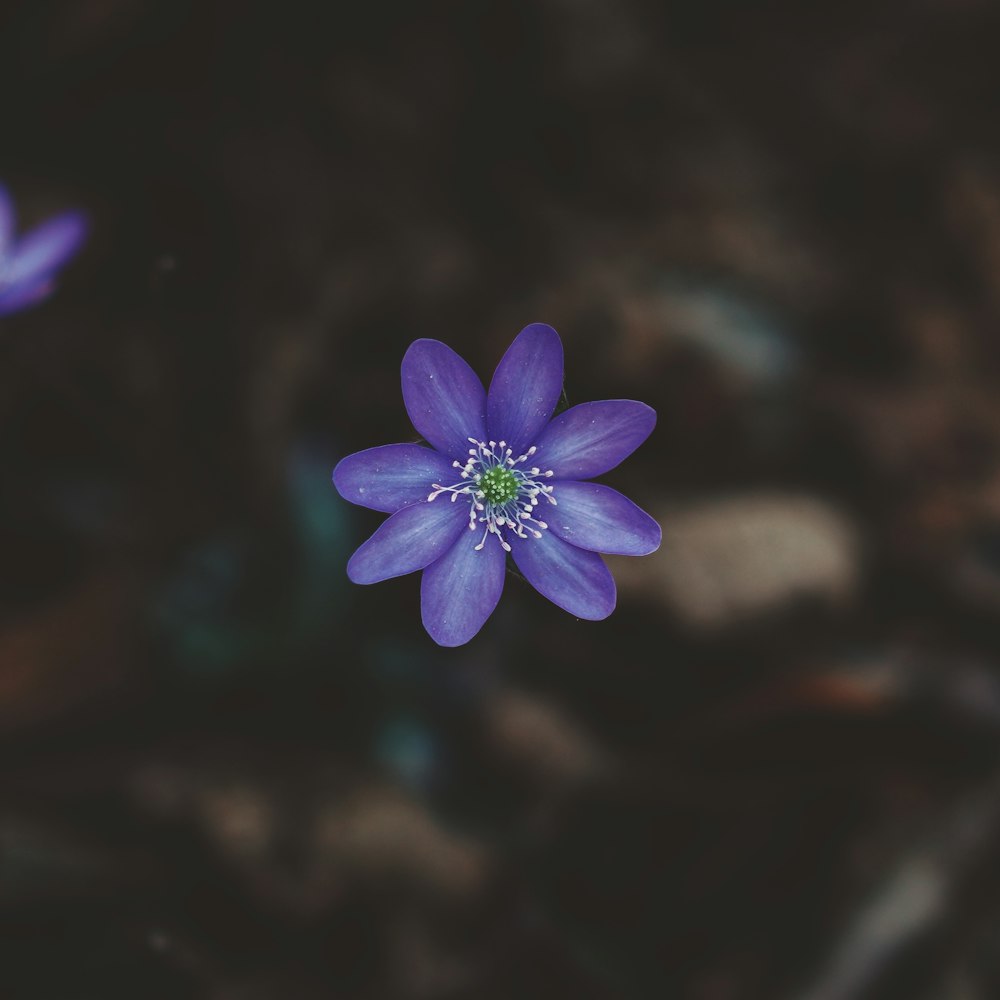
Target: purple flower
x=500 y=476
x=28 y=265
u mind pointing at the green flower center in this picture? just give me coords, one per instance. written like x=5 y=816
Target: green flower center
x=499 y=485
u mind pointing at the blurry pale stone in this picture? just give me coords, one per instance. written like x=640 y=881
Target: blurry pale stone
x=537 y=736
x=726 y=560
x=907 y=904
x=241 y=816
x=238 y=813
x=911 y=897
x=382 y=833
x=338 y=825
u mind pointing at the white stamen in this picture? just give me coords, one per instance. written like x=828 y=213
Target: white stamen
x=498 y=515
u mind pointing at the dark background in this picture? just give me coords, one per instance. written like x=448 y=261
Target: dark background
x=226 y=773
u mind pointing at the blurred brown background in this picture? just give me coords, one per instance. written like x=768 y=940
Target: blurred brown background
x=773 y=774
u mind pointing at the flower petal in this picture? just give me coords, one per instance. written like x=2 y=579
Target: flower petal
x=409 y=540
x=459 y=591
x=576 y=580
x=589 y=439
x=598 y=518
x=444 y=397
x=392 y=476
x=525 y=387
x=8 y=218
x=46 y=248
x=25 y=296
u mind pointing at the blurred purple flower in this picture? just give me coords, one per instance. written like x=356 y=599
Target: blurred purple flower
x=517 y=489
x=28 y=265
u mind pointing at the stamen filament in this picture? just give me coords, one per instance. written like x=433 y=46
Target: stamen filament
x=501 y=495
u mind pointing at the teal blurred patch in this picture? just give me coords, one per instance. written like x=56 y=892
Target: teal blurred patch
x=406 y=747
x=740 y=334
x=262 y=594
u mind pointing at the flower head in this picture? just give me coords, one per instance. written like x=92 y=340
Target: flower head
x=28 y=265
x=500 y=476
